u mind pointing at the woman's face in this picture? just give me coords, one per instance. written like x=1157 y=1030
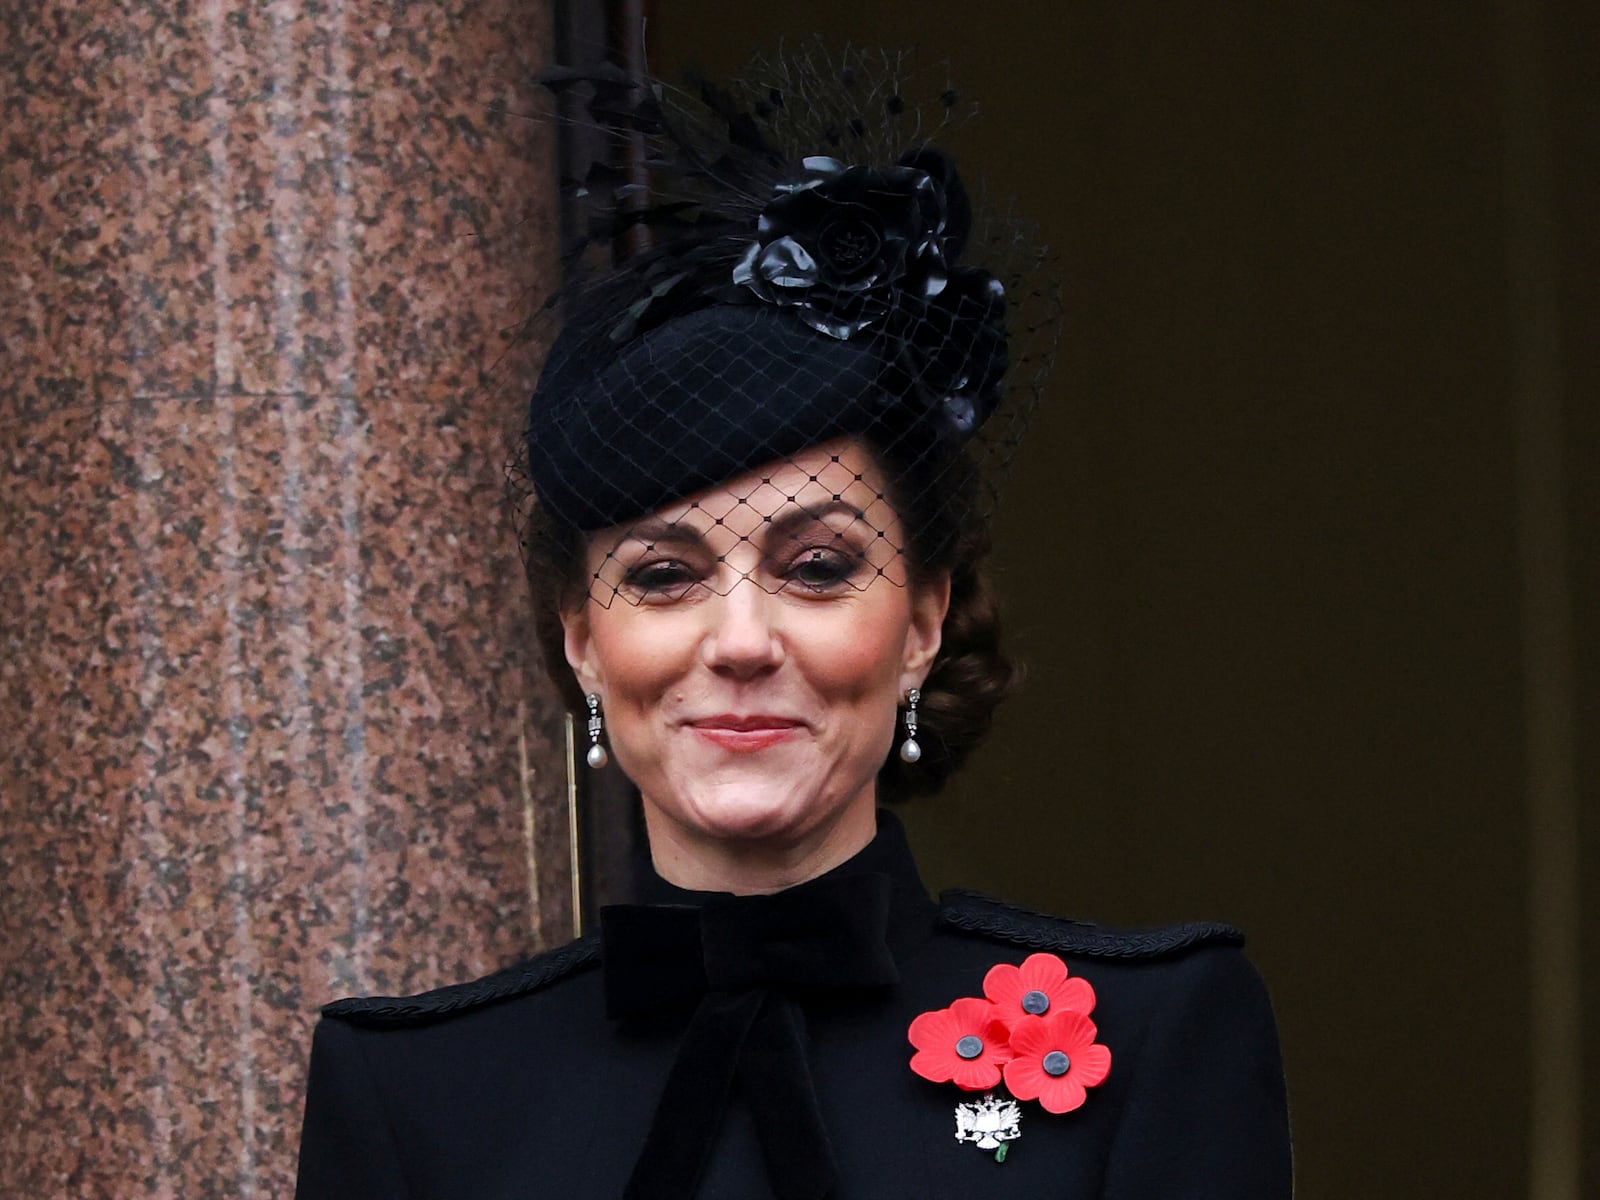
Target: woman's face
x=751 y=647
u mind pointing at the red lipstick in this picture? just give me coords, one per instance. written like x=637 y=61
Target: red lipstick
x=744 y=733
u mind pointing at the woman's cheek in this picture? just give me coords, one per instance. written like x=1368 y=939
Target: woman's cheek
x=860 y=653
x=642 y=656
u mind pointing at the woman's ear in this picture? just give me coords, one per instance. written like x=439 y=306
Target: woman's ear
x=930 y=601
x=579 y=647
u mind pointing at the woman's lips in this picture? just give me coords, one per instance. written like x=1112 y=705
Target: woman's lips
x=746 y=733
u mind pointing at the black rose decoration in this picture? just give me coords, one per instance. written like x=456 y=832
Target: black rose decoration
x=842 y=245
x=952 y=353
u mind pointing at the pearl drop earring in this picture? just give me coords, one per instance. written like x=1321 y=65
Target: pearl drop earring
x=597 y=756
x=910 y=751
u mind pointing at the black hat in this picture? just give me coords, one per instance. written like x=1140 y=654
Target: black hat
x=688 y=404
x=807 y=282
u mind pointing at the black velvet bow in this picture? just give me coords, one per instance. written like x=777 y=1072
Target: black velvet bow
x=740 y=962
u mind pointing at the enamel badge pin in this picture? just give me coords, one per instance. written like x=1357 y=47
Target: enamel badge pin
x=989 y=1124
x=1031 y=1028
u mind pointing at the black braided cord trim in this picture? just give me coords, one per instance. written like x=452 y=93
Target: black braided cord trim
x=975 y=913
x=516 y=980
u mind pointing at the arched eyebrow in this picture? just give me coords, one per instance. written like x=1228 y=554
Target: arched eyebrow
x=804 y=514
x=653 y=531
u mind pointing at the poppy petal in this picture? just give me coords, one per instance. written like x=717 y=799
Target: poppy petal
x=1003 y=984
x=1062 y=1094
x=1070 y=1029
x=930 y=1029
x=1042 y=972
x=1091 y=1064
x=1032 y=1038
x=997 y=1035
x=977 y=1075
x=933 y=1066
x=1075 y=994
x=972 y=1013
x=1025 y=1079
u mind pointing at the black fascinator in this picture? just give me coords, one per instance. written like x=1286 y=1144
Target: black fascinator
x=808 y=265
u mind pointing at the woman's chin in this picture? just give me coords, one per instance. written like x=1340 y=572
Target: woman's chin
x=755 y=807
x=751 y=813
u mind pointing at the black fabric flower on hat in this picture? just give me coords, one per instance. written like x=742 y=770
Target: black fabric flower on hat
x=840 y=244
x=950 y=350
x=849 y=249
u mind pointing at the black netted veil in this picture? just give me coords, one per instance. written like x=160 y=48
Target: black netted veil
x=820 y=325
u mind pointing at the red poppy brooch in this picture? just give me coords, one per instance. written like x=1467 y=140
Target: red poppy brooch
x=1030 y=1028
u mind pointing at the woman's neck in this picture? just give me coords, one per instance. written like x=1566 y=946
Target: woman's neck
x=750 y=867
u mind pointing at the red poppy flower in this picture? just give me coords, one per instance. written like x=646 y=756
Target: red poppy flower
x=1039 y=986
x=1054 y=1059
x=965 y=1043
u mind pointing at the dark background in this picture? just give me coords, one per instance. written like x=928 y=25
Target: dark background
x=1301 y=553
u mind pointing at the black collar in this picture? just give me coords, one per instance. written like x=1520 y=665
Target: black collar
x=913 y=915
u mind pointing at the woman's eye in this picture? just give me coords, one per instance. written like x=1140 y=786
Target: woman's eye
x=666 y=578
x=821 y=570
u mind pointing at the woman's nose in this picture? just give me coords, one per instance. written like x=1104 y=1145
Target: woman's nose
x=742 y=639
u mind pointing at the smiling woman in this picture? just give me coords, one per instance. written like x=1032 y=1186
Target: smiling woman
x=754 y=719
x=758 y=456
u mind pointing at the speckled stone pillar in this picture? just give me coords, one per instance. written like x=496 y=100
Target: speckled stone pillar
x=269 y=729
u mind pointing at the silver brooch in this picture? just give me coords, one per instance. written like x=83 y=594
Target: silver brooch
x=989 y=1124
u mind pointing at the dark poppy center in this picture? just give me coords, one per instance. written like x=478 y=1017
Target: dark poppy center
x=1036 y=1002
x=1056 y=1063
x=849 y=243
x=971 y=1046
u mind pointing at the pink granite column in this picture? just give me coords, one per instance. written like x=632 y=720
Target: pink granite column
x=266 y=696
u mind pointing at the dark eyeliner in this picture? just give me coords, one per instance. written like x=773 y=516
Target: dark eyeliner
x=660 y=577
x=826 y=567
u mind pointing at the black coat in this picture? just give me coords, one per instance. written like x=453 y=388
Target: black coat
x=520 y=1086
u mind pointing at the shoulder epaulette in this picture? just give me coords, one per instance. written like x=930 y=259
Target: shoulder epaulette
x=516 y=980
x=975 y=913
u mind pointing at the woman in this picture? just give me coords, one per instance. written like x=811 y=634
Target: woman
x=758 y=453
